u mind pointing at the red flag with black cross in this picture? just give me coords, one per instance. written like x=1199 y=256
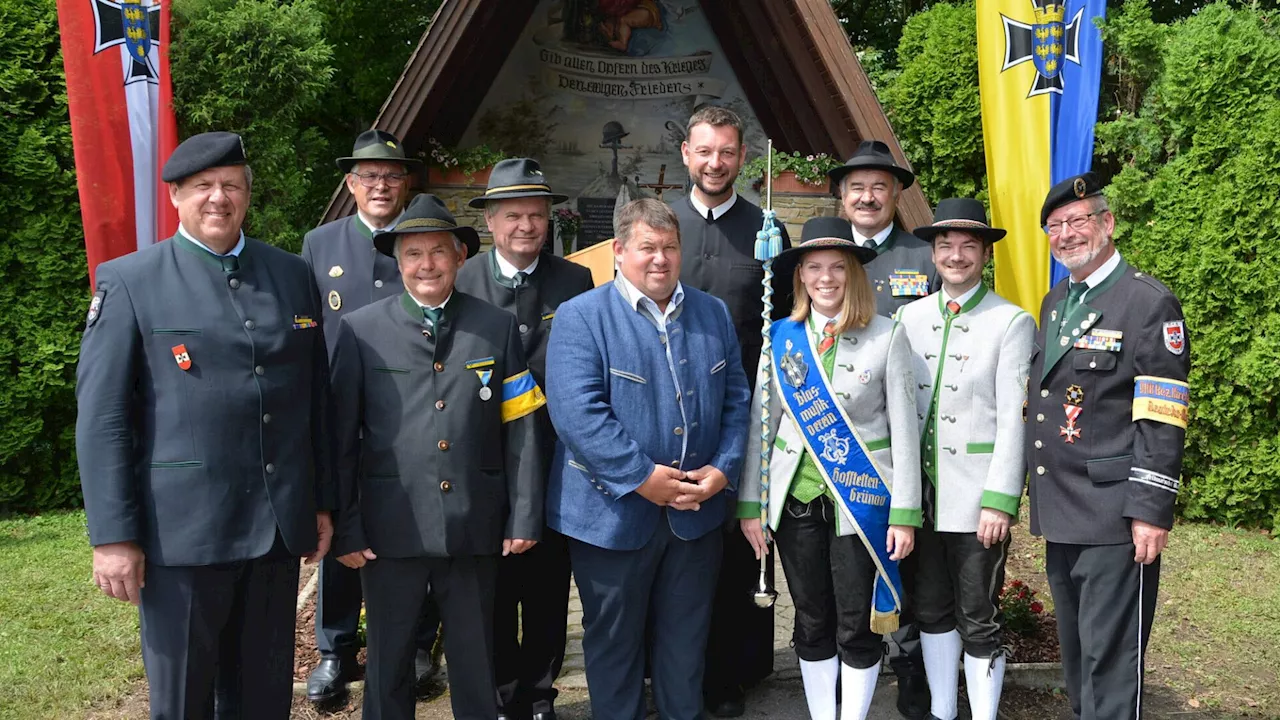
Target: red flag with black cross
x=115 y=55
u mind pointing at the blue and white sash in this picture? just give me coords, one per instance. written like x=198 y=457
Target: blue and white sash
x=859 y=487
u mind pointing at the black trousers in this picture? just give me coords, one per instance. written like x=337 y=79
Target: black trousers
x=670 y=580
x=395 y=590
x=1105 y=603
x=832 y=581
x=338 y=603
x=958 y=584
x=740 y=642
x=220 y=631
x=533 y=594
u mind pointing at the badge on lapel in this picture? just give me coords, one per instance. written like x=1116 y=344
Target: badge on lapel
x=485 y=391
x=1175 y=339
x=182 y=357
x=302 y=322
x=335 y=271
x=1109 y=340
x=908 y=283
x=335 y=301
x=1075 y=398
x=794 y=368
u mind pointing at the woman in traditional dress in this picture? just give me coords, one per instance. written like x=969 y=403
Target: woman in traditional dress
x=843 y=469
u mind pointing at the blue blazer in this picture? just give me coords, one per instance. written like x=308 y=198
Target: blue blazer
x=617 y=412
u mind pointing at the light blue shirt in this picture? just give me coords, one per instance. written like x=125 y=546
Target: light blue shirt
x=234 y=252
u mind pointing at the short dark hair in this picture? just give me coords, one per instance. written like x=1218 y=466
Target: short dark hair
x=654 y=213
x=715 y=116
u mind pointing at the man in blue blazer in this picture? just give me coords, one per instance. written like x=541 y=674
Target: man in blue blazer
x=646 y=389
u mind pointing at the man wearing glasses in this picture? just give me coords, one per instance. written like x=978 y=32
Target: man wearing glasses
x=1106 y=417
x=350 y=274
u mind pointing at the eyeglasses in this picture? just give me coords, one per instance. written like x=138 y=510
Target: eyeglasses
x=391 y=179
x=1077 y=223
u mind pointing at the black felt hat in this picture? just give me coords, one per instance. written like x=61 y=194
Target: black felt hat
x=201 y=152
x=426 y=213
x=516 y=178
x=1069 y=191
x=377 y=146
x=964 y=214
x=870 y=155
x=821 y=233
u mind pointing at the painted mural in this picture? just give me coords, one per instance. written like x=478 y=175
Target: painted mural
x=599 y=91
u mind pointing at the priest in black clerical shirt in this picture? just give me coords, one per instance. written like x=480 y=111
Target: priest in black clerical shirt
x=533 y=587
x=718 y=234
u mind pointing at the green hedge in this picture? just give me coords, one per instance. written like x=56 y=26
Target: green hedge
x=44 y=287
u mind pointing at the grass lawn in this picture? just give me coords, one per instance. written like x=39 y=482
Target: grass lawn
x=64 y=646
x=1215 y=644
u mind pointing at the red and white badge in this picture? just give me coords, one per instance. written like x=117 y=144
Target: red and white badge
x=182 y=357
x=1175 y=337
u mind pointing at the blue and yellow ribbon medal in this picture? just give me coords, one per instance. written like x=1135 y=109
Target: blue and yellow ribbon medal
x=855 y=482
x=486 y=392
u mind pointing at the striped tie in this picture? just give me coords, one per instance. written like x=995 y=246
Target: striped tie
x=828 y=337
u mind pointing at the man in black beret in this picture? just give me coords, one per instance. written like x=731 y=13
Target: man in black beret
x=533 y=587
x=350 y=274
x=1107 y=412
x=868 y=186
x=203 y=388
x=438 y=463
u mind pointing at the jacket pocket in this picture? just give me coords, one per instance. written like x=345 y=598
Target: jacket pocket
x=980 y=448
x=1105 y=471
x=718 y=366
x=392 y=370
x=176 y=464
x=628 y=376
x=175 y=331
x=1094 y=361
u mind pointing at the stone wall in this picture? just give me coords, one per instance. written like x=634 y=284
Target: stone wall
x=455 y=197
x=794 y=209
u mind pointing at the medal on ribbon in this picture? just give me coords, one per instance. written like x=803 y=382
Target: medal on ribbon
x=486 y=392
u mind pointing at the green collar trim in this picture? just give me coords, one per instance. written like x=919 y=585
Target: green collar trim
x=414 y=310
x=1106 y=284
x=187 y=244
x=969 y=304
x=361 y=227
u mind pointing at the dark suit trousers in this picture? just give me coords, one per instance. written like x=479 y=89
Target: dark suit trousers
x=533 y=593
x=669 y=580
x=395 y=590
x=338 y=612
x=1105 y=603
x=220 y=630
x=740 y=645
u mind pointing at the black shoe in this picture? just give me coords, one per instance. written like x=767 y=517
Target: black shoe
x=913 y=696
x=730 y=702
x=329 y=679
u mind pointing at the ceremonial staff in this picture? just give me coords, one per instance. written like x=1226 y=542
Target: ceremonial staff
x=768 y=247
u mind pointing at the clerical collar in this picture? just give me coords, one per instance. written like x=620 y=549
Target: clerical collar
x=234 y=252
x=877 y=239
x=965 y=296
x=421 y=304
x=508 y=270
x=371 y=226
x=1097 y=276
x=716 y=212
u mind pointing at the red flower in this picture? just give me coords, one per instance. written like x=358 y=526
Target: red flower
x=1037 y=608
x=1016 y=584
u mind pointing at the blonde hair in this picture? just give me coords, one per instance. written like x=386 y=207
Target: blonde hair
x=859 y=305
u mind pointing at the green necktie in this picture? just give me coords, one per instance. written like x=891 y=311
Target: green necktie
x=432 y=315
x=521 y=278
x=1075 y=291
x=230 y=263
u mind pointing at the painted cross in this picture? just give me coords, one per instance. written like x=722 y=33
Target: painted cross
x=134 y=25
x=1048 y=43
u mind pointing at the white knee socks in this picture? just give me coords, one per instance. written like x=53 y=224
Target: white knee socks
x=942 y=667
x=820 y=687
x=984 y=679
x=857 y=688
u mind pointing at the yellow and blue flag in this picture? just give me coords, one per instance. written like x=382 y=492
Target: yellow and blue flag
x=1040 y=74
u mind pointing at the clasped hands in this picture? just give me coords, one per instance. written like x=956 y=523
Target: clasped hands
x=682 y=489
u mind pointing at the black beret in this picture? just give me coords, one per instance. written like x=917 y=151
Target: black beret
x=1070 y=190
x=201 y=152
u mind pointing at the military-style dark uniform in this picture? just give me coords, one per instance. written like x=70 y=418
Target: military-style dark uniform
x=350 y=273
x=533 y=588
x=202 y=390
x=1106 y=418
x=902 y=272
x=437 y=463
x=719 y=258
